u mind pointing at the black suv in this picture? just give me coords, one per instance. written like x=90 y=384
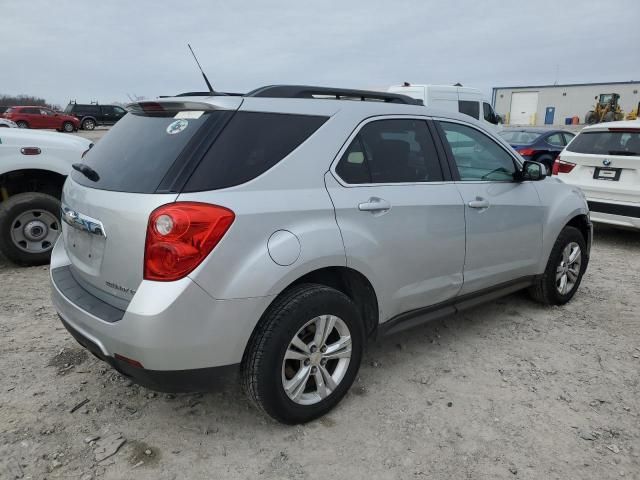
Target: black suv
x=93 y=115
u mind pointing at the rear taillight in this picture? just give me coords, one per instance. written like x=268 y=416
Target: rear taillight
x=180 y=235
x=527 y=152
x=562 y=166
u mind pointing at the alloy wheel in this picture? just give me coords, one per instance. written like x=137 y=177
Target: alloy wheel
x=316 y=360
x=568 y=270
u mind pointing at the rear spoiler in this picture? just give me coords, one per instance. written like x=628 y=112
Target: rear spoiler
x=169 y=107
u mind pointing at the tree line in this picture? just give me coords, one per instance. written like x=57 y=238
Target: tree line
x=13 y=100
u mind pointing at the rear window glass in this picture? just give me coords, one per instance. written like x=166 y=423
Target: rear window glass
x=469 y=108
x=250 y=145
x=138 y=151
x=519 y=138
x=623 y=142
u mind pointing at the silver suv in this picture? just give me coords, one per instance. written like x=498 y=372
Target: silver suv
x=274 y=232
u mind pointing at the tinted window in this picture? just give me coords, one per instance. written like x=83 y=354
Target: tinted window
x=624 y=142
x=119 y=110
x=391 y=151
x=31 y=111
x=476 y=155
x=250 y=145
x=138 y=152
x=86 y=109
x=469 y=108
x=556 y=140
x=106 y=109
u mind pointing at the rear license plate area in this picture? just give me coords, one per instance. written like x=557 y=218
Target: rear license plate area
x=609 y=174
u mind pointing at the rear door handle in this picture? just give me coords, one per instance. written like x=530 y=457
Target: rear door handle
x=479 y=203
x=374 y=204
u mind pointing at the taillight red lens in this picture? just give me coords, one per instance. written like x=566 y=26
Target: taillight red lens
x=180 y=235
x=527 y=152
x=562 y=166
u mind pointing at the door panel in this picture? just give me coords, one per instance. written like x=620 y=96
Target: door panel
x=402 y=225
x=414 y=251
x=503 y=216
x=504 y=239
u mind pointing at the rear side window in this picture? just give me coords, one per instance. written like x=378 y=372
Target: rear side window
x=248 y=146
x=556 y=140
x=622 y=142
x=469 y=108
x=391 y=151
x=139 y=150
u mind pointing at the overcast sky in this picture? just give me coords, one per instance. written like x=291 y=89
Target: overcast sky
x=104 y=50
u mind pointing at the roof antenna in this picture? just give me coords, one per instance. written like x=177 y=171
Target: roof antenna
x=211 y=90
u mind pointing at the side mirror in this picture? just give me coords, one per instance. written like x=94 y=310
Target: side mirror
x=533 y=171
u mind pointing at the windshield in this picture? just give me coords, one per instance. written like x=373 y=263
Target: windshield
x=519 y=137
x=623 y=142
x=138 y=151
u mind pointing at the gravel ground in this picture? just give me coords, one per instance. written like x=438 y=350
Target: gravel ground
x=508 y=390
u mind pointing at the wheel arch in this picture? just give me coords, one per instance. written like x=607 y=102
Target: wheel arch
x=31 y=180
x=583 y=224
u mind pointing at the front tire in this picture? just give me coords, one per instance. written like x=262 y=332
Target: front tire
x=67 y=127
x=29 y=227
x=304 y=354
x=565 y=268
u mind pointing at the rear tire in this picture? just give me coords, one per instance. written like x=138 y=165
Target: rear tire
x=550 y=289
x=29 y=227
x=22 y=124
x=547 y=161
x=289 y=328
x=88 y=124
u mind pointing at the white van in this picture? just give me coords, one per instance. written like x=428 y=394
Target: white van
x=461 y=99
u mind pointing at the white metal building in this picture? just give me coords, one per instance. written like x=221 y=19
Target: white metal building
x=552 y=104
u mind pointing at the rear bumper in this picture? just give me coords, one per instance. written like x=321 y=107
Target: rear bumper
x=196 y=380
x=170 y=328
x=615 y=213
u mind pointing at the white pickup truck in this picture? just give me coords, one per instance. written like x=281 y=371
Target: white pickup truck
x=33 y=168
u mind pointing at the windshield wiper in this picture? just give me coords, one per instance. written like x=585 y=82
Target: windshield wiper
x=87 y=171
x=623 y=152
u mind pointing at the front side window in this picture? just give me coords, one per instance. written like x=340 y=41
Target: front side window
x=470 y=108
x=391 y=151
x=476 y=155
x=487 y=113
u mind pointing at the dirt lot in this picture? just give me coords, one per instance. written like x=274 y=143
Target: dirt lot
x=509 y=390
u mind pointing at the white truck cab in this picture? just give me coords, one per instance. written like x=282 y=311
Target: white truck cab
x=469 y=101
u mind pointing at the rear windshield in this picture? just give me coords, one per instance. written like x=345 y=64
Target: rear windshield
x=250 y=145
x=138 y=151
x=623 y=142
x=519 y=138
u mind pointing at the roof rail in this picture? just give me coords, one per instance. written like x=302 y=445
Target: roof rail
x=306 y=91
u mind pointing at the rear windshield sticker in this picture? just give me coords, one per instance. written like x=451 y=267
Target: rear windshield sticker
x=189 y=114
x=177 y=126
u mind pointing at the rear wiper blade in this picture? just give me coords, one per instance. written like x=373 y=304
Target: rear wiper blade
x=623 y=152
x=87 y=171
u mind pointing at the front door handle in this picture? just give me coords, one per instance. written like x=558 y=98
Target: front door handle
x=374 y=204
x=479 y=203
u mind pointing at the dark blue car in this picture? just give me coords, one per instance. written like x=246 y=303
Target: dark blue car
x=539 y=144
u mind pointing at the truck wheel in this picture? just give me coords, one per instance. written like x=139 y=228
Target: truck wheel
x=565 y=268
x=88 y=124
x=29 y=227
x=22 y=124
x=609 y=117
x=304 y=354
x=67 y=127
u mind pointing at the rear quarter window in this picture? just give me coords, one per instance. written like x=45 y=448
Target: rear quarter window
x=250 y=145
